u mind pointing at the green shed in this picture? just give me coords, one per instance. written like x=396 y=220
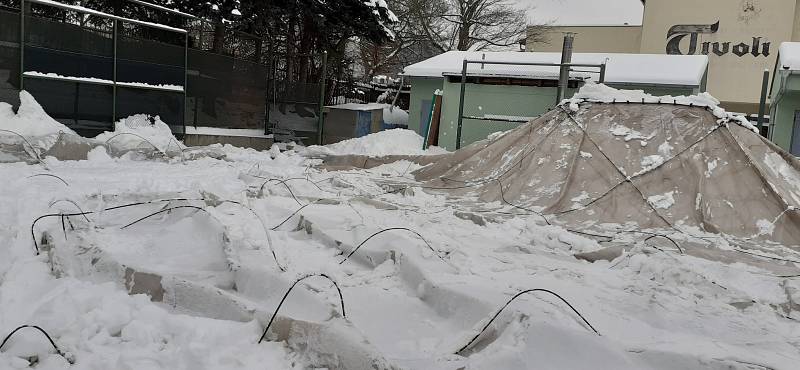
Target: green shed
x=501 y=97
x=785 y=99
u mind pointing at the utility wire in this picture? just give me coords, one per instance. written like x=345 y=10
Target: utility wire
x=511 y=300
x=53 y=343
x=274 y=314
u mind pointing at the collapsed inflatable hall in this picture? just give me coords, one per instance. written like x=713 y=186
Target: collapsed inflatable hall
x=613 y=160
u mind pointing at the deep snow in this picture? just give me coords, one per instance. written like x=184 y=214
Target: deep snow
x=413 y=307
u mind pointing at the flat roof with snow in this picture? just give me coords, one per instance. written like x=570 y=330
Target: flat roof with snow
x=656 y=69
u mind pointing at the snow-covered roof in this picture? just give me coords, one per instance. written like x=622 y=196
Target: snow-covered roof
x=661 y=69
x=789 y=56
x=357 y=106
x=585 y=12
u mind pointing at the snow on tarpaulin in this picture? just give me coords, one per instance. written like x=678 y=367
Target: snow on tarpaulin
x=30 y=119
x=697 y=167
x=141 y=130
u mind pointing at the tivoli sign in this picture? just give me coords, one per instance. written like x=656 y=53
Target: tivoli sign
x=678 y=32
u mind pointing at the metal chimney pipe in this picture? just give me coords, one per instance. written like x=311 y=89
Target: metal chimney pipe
x=566 y=58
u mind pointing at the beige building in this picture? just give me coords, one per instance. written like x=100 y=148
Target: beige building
x=741 y=38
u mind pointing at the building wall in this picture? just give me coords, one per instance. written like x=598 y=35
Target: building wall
x=422 y=89
x=735 y=68
x=669 y=27
x=591 y=39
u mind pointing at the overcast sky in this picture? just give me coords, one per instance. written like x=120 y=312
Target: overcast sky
x=583 y=12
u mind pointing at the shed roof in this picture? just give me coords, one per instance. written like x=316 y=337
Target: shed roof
x=658 y=69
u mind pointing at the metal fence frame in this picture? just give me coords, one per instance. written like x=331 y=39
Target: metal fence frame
x=466 y=63
x=115 y=40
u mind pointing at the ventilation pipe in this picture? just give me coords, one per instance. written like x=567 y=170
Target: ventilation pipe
x=566 y=58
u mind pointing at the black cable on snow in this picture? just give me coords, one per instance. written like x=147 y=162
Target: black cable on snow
x=665 y=237
x=33 y=224
x=34 y=154
x=48 y=175
x=515 y=297
x=274 y=314
x=263 y=227
x=390 y=229
x=73 y=203
x=284 y=182
x=53 y=343
x=261 y=189
x=285 y=220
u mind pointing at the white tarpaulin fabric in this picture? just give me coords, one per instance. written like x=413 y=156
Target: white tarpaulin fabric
x=644 y=165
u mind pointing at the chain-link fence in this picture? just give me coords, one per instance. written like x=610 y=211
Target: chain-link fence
x=89 y=69
x=295 y=96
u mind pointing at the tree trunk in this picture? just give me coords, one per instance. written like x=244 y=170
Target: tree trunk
x=463 y=37
x=290 y=48
x=219 y=37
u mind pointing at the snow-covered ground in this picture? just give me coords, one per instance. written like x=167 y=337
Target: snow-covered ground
x=413 y=296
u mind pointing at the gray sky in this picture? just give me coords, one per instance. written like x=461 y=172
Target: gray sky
x=583 y=12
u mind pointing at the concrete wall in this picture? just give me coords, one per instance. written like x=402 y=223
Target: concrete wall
x=422 y=89
x=591 y=39
x=483 y=100
x=258 y=143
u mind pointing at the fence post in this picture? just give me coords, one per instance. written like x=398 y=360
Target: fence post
x=603 y=73
x=566 y=59
x=21 y=45
x=461 y=103
x=323 y=76
x=114 y=78
x=762 y=104
x=186 y=81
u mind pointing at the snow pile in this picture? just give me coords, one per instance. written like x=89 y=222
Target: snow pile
x=389 y=142
x=30 y=119
x=395 y=116
x=595 y=92
x=141 y=130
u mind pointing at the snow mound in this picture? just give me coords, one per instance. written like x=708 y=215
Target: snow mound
x=30 y=119
x=395 y=116
x=141 y=130
x=389 y=142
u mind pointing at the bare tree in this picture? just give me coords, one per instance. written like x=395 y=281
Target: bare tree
x=472 y=24
x=430 y=27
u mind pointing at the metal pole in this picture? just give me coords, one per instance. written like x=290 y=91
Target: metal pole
x=22 y=45
x=186 y=81
x=461 y=103
x=566 y=58
x=762 y=105
x=114 y=78
x=603 y=73
x=323 y=75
